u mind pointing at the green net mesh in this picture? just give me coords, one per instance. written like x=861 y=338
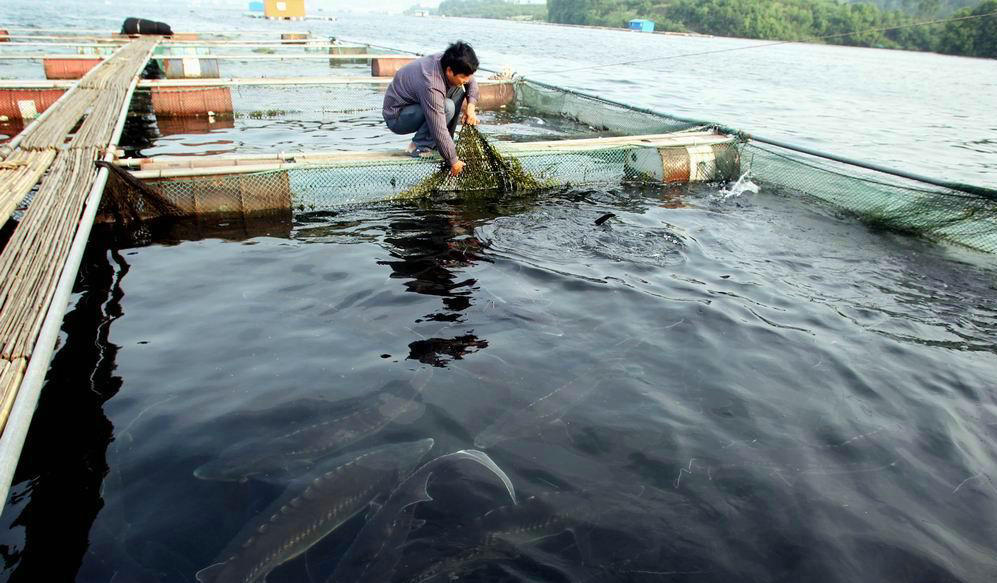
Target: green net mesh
x=880 y=199
x=877 y=198
x=486 y=169
x=598 y=114
x=330 y=185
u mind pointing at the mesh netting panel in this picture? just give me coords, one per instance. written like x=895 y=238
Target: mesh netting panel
x=595 y=113
x=308 y=187
x=235 y=193
x=332 y=185
x=127 y=199
x=881 y=199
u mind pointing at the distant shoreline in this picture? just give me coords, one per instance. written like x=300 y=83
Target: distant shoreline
x=815 y=42
x=590 y=26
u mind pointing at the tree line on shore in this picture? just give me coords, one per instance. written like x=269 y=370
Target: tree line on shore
x=493 y=9
x=890 y=24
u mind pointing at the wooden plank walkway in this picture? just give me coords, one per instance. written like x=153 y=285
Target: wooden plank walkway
x=34 y=258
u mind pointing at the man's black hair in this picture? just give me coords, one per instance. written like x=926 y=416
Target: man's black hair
x=460 y=58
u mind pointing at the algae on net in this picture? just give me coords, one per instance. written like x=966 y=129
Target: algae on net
x=485 y=169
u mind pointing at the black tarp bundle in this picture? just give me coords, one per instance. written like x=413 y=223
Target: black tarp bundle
x=134 y=25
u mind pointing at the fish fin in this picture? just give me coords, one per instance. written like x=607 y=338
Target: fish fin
x=483 y=459
x=548 y=433
x=422 y=491
x=210 y=573
x=574 y=572
x=308 y=567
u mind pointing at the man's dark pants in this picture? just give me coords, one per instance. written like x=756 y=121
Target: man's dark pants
x=413 y=119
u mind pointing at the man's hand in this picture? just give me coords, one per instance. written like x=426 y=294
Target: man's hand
x=457 y=168
x=470 y=115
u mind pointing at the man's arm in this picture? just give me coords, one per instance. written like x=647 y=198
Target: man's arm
x=471 y=112
x=436 y=116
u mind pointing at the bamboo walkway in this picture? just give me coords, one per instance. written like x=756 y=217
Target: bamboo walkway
x=34 y=257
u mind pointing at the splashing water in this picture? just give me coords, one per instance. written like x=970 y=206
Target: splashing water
x=741 y=186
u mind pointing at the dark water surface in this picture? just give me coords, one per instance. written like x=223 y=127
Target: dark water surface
x=703 y=388
x=709 y=389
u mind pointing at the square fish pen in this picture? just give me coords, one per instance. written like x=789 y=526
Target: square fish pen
x=630 y=145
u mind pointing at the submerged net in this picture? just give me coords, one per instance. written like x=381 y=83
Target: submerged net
x=964 y=216
x=130 y=200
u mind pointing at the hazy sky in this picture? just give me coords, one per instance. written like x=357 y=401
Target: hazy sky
x=358 y=6
x=390 y=5
x=313 y=5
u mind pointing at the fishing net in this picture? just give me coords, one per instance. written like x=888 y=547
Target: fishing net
x=128 y=199
x=613 y=144
x=486 y=169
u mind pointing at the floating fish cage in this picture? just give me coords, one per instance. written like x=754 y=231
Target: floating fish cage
x=607 y=143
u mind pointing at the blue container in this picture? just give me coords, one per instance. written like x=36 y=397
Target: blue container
x=256 y=7
x=642 y=25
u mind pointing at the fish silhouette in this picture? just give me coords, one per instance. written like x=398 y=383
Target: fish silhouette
x=377 y=548
x=316 y=431
x=310 y=508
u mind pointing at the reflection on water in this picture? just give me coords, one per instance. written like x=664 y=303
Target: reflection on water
x=9 y=129
x=701 y=387
x=428 y=249
x=64 y=462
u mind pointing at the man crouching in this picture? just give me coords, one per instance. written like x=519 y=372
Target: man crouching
x=426 y=96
